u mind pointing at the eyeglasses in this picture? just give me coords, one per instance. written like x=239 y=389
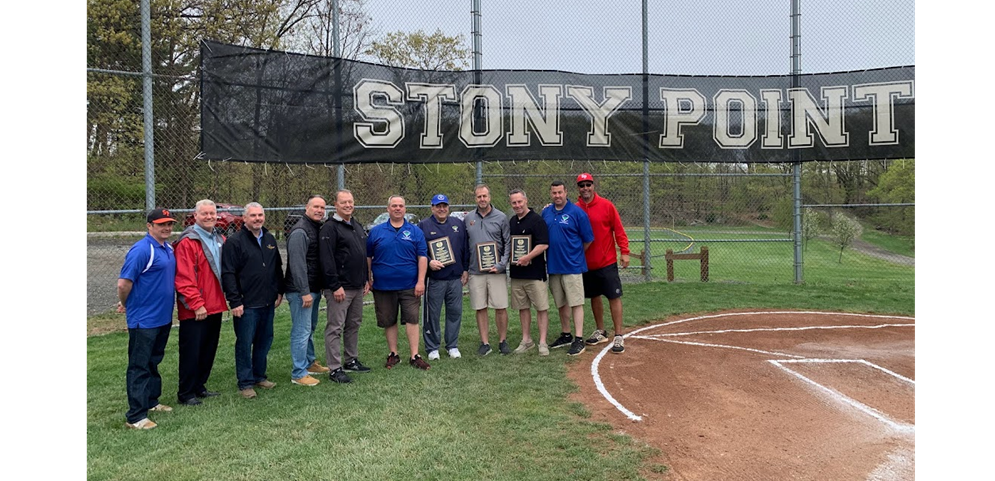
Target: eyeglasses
x=585 y=184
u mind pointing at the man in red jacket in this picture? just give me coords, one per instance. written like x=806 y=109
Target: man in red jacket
x=601 y=278
x=200 y=301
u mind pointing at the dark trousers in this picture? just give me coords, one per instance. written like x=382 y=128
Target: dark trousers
x=198 y=346
x=146 y=348
x=253 y=339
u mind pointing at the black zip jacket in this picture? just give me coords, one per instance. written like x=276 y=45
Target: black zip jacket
x=342 y=254
x=251 y=276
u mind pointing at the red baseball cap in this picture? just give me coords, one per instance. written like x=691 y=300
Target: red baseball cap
x=585 y=177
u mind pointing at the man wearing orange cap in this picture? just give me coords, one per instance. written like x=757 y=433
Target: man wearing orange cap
x=601 y=278
x=146 y=292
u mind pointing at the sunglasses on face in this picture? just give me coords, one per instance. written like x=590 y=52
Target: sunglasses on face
x=585 y=184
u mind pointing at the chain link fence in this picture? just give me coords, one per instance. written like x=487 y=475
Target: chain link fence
x=742 y=213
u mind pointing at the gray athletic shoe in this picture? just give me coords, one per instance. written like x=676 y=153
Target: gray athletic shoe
x=597 y=337
x=618 y=346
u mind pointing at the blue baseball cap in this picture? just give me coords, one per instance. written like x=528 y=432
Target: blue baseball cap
x=440 y=199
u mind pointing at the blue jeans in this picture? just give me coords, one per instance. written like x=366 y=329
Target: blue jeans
x=253 y=339
x=303 y=322
x=438 y=292
x=146 y=348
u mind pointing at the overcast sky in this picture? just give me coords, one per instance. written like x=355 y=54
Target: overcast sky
x=717 y=37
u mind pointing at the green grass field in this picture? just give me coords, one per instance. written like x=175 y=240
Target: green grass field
x=736 y=255
x=495 y=417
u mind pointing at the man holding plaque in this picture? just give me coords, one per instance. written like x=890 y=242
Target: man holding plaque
x=448 y=265
x=489 y=238
x=601 y=278
x=529 y=240
x=569 y=236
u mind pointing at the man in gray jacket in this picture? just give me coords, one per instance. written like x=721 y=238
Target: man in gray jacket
x=489 y=241
x=304 y=291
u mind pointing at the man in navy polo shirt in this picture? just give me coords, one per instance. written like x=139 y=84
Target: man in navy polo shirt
x=146 y=293
x=397 y=257
x=570 y=235
x=445 y=279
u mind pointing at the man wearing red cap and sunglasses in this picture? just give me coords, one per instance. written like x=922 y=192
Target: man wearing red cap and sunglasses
x=601 y=278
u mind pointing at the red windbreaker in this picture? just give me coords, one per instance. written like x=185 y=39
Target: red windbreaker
x=196 y=282
x=607 y=226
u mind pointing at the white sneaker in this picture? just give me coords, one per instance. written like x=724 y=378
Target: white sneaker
x=433 y=355
x=453 y=353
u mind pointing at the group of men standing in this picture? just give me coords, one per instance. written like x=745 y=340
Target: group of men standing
x=568 y=249
x=206 y=274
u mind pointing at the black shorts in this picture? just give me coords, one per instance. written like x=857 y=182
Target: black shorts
x=386 y=305
x=603 y=282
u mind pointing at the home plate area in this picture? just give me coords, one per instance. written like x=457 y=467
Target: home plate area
x=764 y=395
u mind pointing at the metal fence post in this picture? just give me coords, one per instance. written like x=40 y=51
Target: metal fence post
x=147 y=120
x=647 y=268
x=796 y=167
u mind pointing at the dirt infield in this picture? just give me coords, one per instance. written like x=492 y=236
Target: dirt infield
x=763 y=395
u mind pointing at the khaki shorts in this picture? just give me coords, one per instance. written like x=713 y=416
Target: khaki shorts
x=524 y=291
x=488 y=290
x=568 y=289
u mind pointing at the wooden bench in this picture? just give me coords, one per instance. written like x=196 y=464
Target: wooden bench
x=701 y=256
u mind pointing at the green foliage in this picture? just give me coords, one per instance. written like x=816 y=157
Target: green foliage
x=812 y=224
x=422 y=51
x=784 y=214
x=843 y=230
x=134 y=222
x=896 y=185
x=109 y=192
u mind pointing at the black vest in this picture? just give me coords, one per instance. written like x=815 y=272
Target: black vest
x=310 y=228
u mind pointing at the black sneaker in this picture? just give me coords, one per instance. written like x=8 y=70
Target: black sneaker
x=564 y=340
x=392 y=360
x=577 y=346
x=484 y=349
x=339 y=376
x=503 y=347
x=355 y=366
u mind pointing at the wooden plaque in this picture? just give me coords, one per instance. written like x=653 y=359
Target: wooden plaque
x=486 y=256
x=521 y=245
x=441 y=250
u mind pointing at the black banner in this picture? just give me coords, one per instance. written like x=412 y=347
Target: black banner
x=270 y=106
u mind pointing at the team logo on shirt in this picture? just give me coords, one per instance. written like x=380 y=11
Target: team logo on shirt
x=565 y=219
x=406 y=235
x=455 y=228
